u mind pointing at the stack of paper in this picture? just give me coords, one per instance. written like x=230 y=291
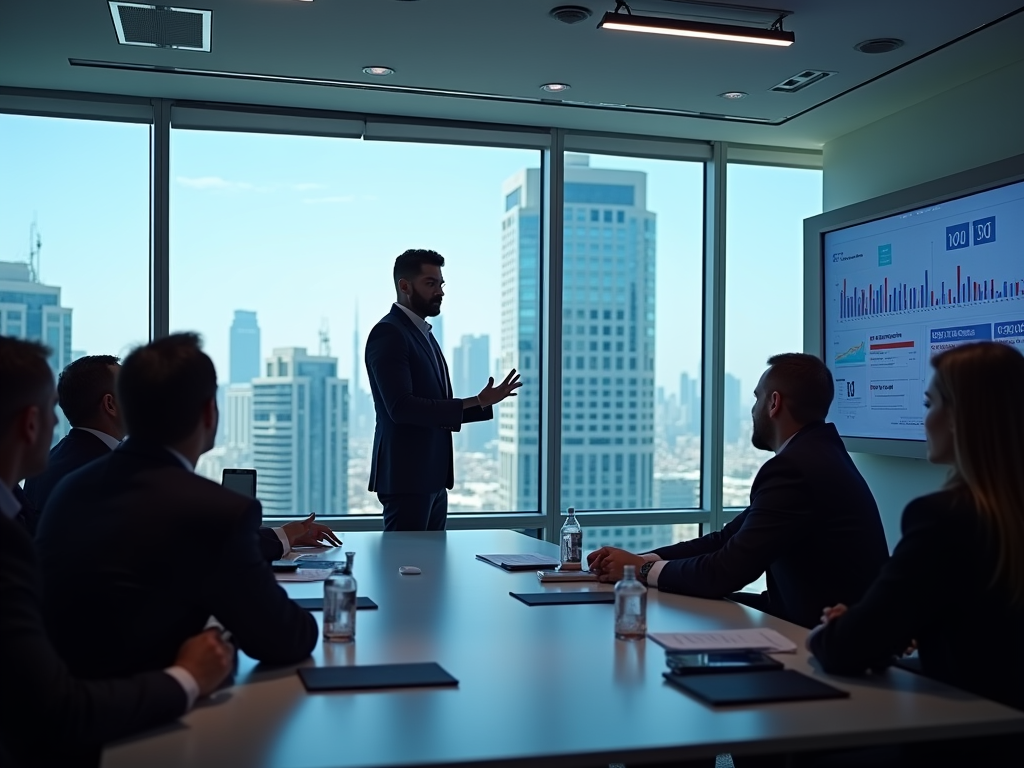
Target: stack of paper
x=306 y=574
x=767 y=640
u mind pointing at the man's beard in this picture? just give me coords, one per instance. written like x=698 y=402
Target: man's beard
x=759 y=435
x=425 y=307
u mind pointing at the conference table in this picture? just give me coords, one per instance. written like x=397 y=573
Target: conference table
x=538 y=686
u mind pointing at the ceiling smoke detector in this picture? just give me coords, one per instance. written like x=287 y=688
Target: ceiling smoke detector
x=161 y=26
x=570 y=14
x=879 y=45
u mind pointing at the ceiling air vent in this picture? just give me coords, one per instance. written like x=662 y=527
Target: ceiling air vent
x=161 y=26
x=570 y=14
x=804 y=79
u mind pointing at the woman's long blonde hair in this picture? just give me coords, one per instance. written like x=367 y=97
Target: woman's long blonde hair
x=982 y=385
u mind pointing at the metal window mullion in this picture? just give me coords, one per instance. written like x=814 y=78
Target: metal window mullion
x=159 y=219
x=550 y=448
x=713 y=357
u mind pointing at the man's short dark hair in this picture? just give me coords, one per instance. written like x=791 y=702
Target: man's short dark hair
x=410 y=263
x=805 y=382
x=83 y=385
x=25 y=378
x=164 y=387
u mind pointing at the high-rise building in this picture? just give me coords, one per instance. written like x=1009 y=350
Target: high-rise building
x=300 y=435
x=360 y=402
x=733 y=410
x=32 y=311
x=608 y=332
x=244 y=348
x=437 y=329
x=689 y=404
x=238 y=422
x=471 y=363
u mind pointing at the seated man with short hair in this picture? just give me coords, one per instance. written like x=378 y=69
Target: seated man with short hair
x=85 y=392
x=112 y=535
x=812 y=524
x=48 y=717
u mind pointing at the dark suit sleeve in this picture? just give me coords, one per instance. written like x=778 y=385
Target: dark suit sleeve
x=387 y=361
x=770 y=527
x=702 y=545
x=270 y=544
x=28 y=516
x=477 y=413
x=244 y=596
x=37 y=693
x=883 y=623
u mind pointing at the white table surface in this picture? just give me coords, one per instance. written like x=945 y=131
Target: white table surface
x=540 y=686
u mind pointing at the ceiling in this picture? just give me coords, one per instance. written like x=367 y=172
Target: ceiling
x=484 y=60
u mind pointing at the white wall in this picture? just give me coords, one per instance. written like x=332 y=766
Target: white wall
x=979 y=122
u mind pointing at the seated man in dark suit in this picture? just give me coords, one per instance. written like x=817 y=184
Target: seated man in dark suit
x=48 y=717
x=812 y=524
x=85 y=392
x=112 y=535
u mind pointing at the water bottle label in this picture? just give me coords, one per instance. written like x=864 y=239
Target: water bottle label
x=572 y=547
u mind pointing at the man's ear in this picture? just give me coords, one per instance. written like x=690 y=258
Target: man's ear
x=28 y=424
x=210 y=413
x=110 y=405
x=775 y=404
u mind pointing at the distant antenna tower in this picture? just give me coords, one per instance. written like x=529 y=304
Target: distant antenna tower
x=325 y=338
x=35 y=245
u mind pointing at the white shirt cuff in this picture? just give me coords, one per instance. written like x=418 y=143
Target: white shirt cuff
x=187 y=682
x=652 y=575
x=285 y=544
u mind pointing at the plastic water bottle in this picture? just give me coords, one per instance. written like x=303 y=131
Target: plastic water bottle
x=340 y=604
x=630 y=606
x=571 y=536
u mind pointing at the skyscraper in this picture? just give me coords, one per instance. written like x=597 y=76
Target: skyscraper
x=471 y=362
x=238 y=423
x=360 y=402
x=300 y=435
x=244 y=347
x=732 y=409
x=608 y=339
x=32 y=311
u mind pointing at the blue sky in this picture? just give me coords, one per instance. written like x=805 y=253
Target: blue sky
x=300 y=229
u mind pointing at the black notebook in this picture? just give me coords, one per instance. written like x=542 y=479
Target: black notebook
x=755 y=687
x=374 y=676
x=317 y=603
x=523 y=562
x=563 y=598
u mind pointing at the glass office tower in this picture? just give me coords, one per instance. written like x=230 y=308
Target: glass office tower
x=300 y=435
x=244 y=347
x=608 y=332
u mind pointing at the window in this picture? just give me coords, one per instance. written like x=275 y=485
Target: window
x=74 y=236
x=640 y=448
x=638 y=539
x=763 y=298
x=282 y=250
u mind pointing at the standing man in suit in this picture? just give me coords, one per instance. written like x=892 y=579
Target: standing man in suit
x=37 y=694
x=411 y=468
x=86 y=394
x=812 y=524
x=112 y=535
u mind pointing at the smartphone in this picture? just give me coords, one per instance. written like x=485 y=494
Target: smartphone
x=284 y=566
x=686 y=663
x=241 y=481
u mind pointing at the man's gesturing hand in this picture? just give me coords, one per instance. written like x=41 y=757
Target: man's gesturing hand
x=307 y=533
x=207 y=658
x=492 y=395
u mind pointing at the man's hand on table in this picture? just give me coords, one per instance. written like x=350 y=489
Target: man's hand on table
x=608 y=562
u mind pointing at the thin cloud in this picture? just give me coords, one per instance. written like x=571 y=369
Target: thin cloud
x=307 y=186
x=335 y=199
x=213 y=182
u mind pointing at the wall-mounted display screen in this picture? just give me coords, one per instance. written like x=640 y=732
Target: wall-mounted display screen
x=899 y=289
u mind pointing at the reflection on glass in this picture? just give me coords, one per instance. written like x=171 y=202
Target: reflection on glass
x=637 y=538
x=764 y=298
x=631 y=329
x=282 y=250
x=74 y=236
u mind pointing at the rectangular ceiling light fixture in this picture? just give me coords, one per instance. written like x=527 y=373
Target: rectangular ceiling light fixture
x=681 y=28
x=161 y=26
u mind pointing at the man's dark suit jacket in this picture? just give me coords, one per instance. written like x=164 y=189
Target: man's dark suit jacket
x=416 y=413
x=936 y=590
x=120 y=597
x=47 y=717
x=812 y=526
x=74 y=451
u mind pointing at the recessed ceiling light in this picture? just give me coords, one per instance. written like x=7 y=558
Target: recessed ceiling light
x=555 y=87
x=879 y=45
x=733 y=95
x=378 y=71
